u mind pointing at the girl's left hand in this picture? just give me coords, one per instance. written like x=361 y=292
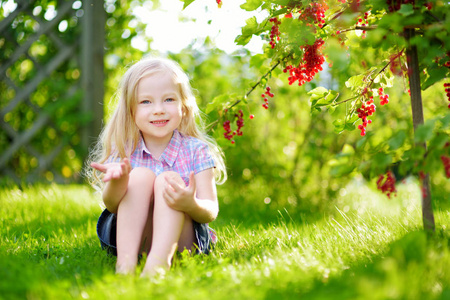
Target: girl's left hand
x=178 y=196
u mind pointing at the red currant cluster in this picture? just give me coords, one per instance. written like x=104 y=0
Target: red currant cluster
x=219 y=3
x=266 y=100
x=314 y=13
x=367 y=109
x=386 y=183
x=274 y=32
x=384 y=98
x=363 y=23
x=447 y=91
x=229 y=134
x=446 y=162
x=396 y=64
x=311 y=64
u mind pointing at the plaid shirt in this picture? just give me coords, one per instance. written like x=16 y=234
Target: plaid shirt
x=183 y=155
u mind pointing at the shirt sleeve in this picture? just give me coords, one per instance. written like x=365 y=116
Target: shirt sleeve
x=203 y=159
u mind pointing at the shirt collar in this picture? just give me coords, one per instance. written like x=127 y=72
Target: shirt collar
x=171 y=152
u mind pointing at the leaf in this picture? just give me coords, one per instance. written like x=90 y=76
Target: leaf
x=397 y=140
x=242 y=40
x=406 y=10
x=424 y=132
x=355 y=81
x=217 y=102
x=434 y=75
x=339 y=125
x=251 y=5
x=186 y=3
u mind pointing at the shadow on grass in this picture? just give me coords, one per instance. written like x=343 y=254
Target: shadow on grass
x=415 y=267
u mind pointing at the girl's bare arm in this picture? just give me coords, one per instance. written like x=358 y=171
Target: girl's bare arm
x=116 y=178
x=198 y=200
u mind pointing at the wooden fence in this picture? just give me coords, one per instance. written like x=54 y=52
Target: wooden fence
x=51 y=88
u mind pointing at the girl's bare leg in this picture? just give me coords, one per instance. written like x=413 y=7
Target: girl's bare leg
x=132 y=216
x=170 y=228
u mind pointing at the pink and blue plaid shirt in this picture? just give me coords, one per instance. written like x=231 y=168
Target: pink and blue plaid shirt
x=183 y=155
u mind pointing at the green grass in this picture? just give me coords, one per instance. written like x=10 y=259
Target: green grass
x=368 y=248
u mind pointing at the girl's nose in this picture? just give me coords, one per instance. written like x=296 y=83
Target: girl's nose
x=158 y=108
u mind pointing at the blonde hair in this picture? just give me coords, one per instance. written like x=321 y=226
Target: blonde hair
x=120 y=137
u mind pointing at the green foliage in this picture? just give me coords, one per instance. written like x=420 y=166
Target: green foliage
x=361 y=62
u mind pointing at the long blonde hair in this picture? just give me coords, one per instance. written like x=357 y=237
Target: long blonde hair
x=120 y=137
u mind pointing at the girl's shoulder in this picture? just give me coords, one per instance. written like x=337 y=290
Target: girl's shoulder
x=192 y=142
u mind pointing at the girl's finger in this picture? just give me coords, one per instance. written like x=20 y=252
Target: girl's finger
x=99 y=167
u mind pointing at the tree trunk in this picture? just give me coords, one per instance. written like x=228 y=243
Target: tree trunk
x=417 y=114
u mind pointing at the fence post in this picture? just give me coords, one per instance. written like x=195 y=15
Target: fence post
x=92 y=81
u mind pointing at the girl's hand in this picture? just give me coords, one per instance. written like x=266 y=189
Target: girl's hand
x=178 y=196
x=113 y=171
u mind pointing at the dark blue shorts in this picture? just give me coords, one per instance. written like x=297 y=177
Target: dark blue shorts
x=106 y=231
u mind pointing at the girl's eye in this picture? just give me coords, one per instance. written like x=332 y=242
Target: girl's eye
x=145 y=102
x=170 y=100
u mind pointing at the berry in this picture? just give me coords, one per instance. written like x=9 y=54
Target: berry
x=386 y=183
x=447 y=92
x=251 y=117
x=446 y=163
x=219 y=3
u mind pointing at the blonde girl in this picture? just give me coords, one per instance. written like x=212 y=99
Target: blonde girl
x=157 y=168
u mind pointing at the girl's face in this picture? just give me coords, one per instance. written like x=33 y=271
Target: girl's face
x=159 y=108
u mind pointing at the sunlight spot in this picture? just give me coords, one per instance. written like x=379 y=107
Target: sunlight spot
x=84 y=295
x=342 y=192
x=267 y=200
x=77 y=5
x=50 y=13
x=346 y=208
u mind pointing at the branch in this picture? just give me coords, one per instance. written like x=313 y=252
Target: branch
x=258 y=82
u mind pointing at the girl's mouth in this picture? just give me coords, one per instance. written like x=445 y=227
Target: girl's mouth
x=159 y=122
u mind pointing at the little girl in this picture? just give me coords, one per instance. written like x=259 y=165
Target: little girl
x=158 y=170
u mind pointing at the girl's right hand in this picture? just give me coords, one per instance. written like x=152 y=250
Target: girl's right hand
x=113 y=170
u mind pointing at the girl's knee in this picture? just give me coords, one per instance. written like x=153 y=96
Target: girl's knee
x=161 y=179
x=142 y=175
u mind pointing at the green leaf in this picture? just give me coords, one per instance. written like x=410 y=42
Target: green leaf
x=339 y=125
x=355 y=81
x=397 y=140
x=434 y=75
x=186 y=3
x=218 y=101
x=251 y=5
x=242 y=40
x=381 y=160
x=406 y=10
x=424 y=132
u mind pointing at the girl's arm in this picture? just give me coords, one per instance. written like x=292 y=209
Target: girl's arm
x=198 y=200
x=116 y=178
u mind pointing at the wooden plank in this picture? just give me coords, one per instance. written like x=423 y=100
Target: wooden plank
x=23 y=138
x=31 y=86
x=62 y=11
x=92 y=75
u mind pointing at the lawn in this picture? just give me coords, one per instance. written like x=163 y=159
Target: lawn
x=369 y=247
